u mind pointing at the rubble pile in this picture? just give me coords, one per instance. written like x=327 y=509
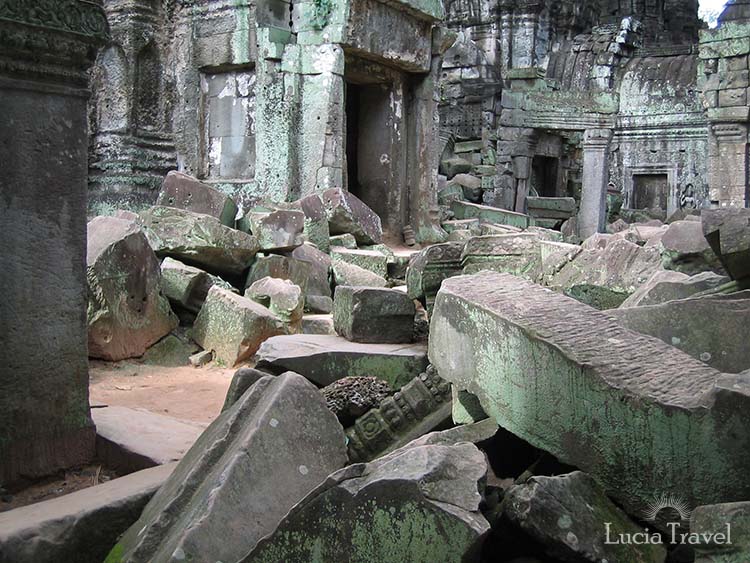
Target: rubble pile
x=561 y=391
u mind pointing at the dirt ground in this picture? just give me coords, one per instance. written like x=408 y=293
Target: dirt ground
x=183 y=392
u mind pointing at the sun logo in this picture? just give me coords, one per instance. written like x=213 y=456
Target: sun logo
x=668 y=502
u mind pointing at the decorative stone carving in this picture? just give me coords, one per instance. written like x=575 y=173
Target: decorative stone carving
x=416 y=409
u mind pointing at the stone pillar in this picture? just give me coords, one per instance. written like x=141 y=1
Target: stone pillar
x=593 y=213
x=423 y=158
x=45 y=49
x=728 y=164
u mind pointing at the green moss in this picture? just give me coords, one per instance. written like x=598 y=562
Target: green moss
x=115 y=556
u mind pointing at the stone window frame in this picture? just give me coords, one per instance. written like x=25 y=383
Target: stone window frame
x=671 y=171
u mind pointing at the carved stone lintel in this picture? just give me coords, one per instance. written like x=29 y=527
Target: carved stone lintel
x=400 y=418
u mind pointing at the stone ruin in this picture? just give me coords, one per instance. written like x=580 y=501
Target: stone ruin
x=481 y=271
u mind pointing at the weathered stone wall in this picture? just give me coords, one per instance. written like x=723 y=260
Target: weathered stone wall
x=45 y=48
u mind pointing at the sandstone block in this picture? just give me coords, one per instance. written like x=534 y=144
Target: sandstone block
x=362 y=314
x=282 y=298
x=624 y=407
x=251 y=465
x=325 y=359
x=184 y=192
x=126 y=311
x=348 y=214
x=233 y=327
x=198 y=240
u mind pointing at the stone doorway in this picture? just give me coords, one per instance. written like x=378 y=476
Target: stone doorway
x=375 y=142
x=650 y=191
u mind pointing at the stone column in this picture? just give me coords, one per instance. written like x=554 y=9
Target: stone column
x=728 y=164
x=423 y=157
x=593 y=212
x=45 y=48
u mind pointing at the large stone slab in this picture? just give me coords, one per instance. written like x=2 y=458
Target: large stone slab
x=233 y=327
x=184 y=192
x=324 y=359
x=345 y=273
x=80 y=527
x=619 y=265
x=133 y=439
x=316 y=220
x=185 y=286
x=685 y=249
x=319 y=263
x=348 y=214
x=517 y=254
x=667 y=285
x=253 y=463
x=281 y=267
x=278 y=230
x=198 y=240
x=126 y=311
x=571 y=516
x=466 y=210
x=640 y=416
x=710 y=329
x=723 y=532
x=418 y=504
x=728 y=233
x=430 y=267
x=363 y=314
x=371 y=260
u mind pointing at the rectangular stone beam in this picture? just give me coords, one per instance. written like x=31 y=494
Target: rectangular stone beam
x=641 y=416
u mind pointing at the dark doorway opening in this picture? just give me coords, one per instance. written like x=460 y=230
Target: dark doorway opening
x=353 y=95
x=650 y=191
x=544 y=175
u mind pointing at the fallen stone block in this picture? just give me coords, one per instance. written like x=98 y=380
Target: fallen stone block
x=450 y=167
x=621 y=266
x=251 y=465
x=685 y=249
x=460 y=235
x=571 y=516
x=351 y=397
x=449 y=193
x=545 y=234
x=319 y=277
x=345 y=241
x=371 y=260
x=198 y=240
x=348 y=214
x=418 y=504
x=417 y=408
x=318 y=324
x=202 y=358
x=667 y=285
x=185 y=286
x=233 y=327
x=555 y=255
x=80 y=527
x=282 y=298
x=362 y=314
x=242 y=380
x=316 y=228
x=278 y=230
x=488 y=229
x=126 y=311
x=430 y=267
x=559 y=208
x=184 y=192
x=597 y=296
x=280 y=267
x=465 y=210
x=351 y=274
x=517 y=254
x=325 y=359
x=721 y=533
x=728 y=233
x=133 y=439
x=640 y=416
x=471 y=225
x=711 y=329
